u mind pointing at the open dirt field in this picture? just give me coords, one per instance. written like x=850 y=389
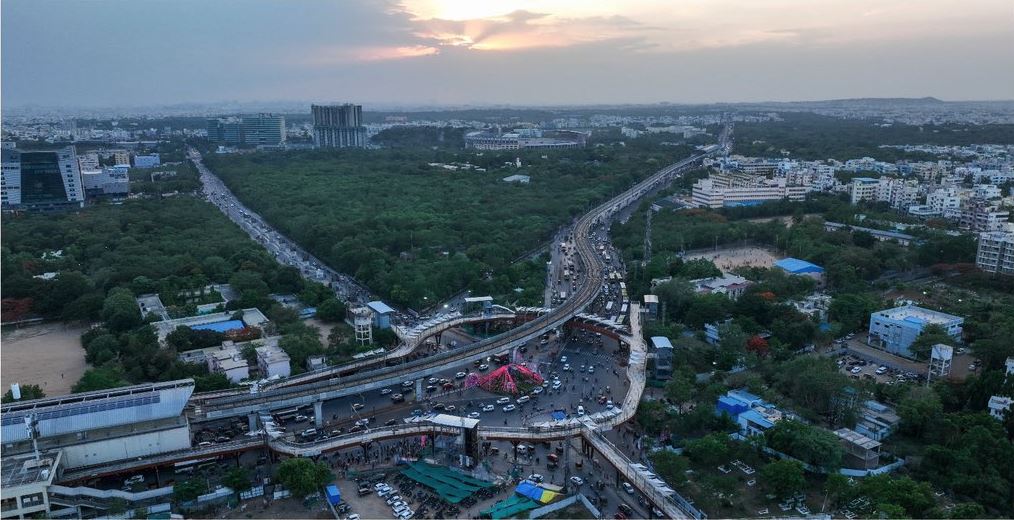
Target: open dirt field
x=48 y=355
x=733 y=257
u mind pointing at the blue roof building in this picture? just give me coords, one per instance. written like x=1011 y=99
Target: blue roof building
x=896 y=329
x=797 y=266
x=381 y=314
x=753 y=415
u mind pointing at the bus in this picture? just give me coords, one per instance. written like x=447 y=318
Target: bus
x=282 y=416
x=619 y=319
x=609 y=306
x=623 y=286
x=566 y=274
x=502 y=358
x=623 y=309
x=188 y=466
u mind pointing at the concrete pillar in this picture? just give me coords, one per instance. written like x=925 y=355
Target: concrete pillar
x=252 y=421
x=418 y=389
x=318 y=412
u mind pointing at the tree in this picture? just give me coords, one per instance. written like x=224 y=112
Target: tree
x=671 y=467
x=807 y=443
x=299 y=347
x=836 y=487
x=710 y=450
x=28 y=392
x=331 y=310
x=680 y=389
x=931 y=334
x=920 y=412
x=303 y=476
x=852 y=310
x=238 y=478
x=783 y=477
x=189 y=490
x=120 y=311
x=100 y=378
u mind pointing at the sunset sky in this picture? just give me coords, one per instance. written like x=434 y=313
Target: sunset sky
x=119 y=52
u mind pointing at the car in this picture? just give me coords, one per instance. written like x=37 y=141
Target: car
x=136 y=479
x=609 y=405
x=408 y=384
x=576 y=480
x=362 y=422
x=535 y=477
x=417 y=412
x=510 y=408
x=881 y=370
x=580 y=411
x=307 y=433
x=433 y=381
x=566 y=368
x=439 y=406
x=444 y=380
x=397 y=398
x=204 y=444
x=431 y=388
x=488 y=408
x=483 y=367
x=524 y=399
x=856 y=370
x=451 y=408
x=503 y=400
x=591 y=370
x=556 y=384
x=563 y=359
x=628 y=488
x=358 y=406
x=391 y=422
x=300 y=418
x=385 y=391
x=448 y=386
x=474 y=415
x=537 y=390
x=460 y=375
x=545 y=384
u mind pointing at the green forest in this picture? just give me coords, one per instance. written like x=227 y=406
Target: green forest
x=810 y=136
x=415 y=233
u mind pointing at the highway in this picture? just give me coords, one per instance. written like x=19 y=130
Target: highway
x=585 y=293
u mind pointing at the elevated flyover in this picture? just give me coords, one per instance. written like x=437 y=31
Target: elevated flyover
x=217 y=407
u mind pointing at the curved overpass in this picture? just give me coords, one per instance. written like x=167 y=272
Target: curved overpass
x=206 y=408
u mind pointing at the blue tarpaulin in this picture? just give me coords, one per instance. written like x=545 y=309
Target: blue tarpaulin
x=558 y=415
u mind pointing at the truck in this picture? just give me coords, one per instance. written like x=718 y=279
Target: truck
x=334 y=497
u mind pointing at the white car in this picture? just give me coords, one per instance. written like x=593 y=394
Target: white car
x=856 y=370
x=556 y=384
x=385 y=391
x=503 y=400
x=408 y=384
x=433 y=381
x=563 y=359
x=881 y=370
x=510 y=408
x=566 y=368
x=576 y=480
x=535 y=477
x=537 y=390
x=488 y=408
x=628 y=488
x=473 y=415
x=483 y=367
x=591 y=370
x=460 y=375
x=524 y=399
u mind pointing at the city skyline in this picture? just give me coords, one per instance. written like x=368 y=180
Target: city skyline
x=518 y=52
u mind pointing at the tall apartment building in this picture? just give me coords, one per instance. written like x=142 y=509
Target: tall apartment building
x=945 y=202
x=41 y=180
x=996 y=252
x=338 y=126
x=899 y=193
x=739 y=189
x=264 y=130
x=981 y=216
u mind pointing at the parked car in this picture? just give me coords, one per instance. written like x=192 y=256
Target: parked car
x=385 y=391
x=576 y=480
x=488 y=408
x=474 y=415
x=510 y=408
x=503 y=400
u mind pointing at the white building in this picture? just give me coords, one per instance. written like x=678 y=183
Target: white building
x=731 y=189
x=730 y=285
x=999 y=406
x=945 y=202
x=147 y=161
x=273 y=361
x=996 y=252
x=40 y=180
x=108 y=181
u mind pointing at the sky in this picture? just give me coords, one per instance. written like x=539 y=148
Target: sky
x=93 y=53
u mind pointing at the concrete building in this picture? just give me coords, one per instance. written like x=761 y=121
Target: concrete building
x=663 y=356
x=730 y=285
x=40 y=180
x=273 y=361
x=896 y=329
x=338 y=126
x=218 y=321
x=877 y=420
x=24 y=488
x=738 y=189
x=264 y=130
x=520 y=179
x=945 y=202
x=996 y=252
x=982 y=216
x=147 y=161
x=863 y=189
x=999 y=406
x=113 y=180
x=861 y=452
